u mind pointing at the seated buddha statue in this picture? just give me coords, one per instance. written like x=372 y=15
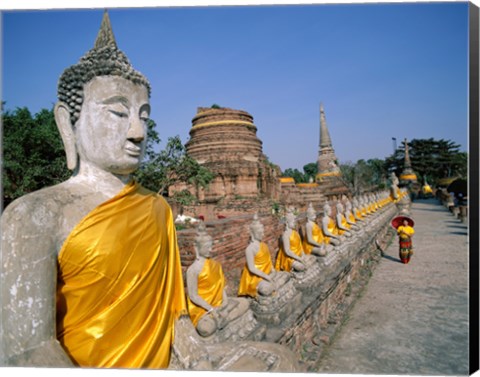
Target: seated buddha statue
x=342 y=225
x=258 y=275
x=290 y=255
x=329 y=226
x=85 y=263
x=272 y=291
x=349 y=217
x=357 y=210
x=313 y=242
x=292 y=258
x=394 y=190
x=209 y=306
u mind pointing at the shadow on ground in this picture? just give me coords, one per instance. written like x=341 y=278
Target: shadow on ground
x=390 y=258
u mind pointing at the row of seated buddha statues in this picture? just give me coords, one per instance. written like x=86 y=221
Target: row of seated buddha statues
x=269 y=292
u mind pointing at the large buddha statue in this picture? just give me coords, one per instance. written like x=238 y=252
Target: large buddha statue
x=86 y=263
x=314 y=240
x=209 y=306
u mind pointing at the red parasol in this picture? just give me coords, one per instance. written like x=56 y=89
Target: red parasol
x=397 y=221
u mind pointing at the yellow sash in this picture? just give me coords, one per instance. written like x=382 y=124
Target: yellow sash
x=352 y=218
x=120 y=285
x=211 y=283
x=317 y=235
x=248 y=281
x=284 y=262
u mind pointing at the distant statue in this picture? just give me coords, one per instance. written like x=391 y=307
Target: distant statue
x=90 y=271
x=313 y=242
x=208 y=304
x=357 y=210
x=342 y=225
x=349 y=216
x=394 y=190
x=290 y=255
x=329 y=226
x=258 y=275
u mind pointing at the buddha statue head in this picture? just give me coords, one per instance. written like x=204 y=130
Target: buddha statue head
x=311 y=214
x=339 y=207
x=290 y=218
x=327 y=210
x=203 y=242
x=256 y=229
x=103 y=108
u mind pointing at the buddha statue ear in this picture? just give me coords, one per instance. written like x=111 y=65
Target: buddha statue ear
x=65 y=127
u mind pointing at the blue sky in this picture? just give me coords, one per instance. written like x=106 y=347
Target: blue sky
x=381 y=70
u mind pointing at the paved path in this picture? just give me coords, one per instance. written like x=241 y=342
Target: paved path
x=411 y=319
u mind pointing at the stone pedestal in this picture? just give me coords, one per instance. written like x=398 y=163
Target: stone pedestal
x=272 y=310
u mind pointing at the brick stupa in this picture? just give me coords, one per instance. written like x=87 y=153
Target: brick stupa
x=225 y=141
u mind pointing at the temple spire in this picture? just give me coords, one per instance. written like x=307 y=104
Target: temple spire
x=408 y=174
x=407 y=163
x=327 y=161
x=325 y=140
x=105 y=35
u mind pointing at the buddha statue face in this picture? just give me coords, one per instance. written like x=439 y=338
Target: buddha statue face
x=311 y=215
x=111 y=130
x=204 y=246
x=339 y=208
x=257 y=231
x=290 y=221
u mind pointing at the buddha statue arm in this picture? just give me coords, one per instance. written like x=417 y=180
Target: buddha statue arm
x=309 y=232
x=250 y=258
x=192 y=287
x=28 y=288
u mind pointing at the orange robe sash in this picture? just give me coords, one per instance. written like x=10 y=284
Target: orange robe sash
x=284 y=262
x=211 y=283
x=248 y=281
x=120 y=285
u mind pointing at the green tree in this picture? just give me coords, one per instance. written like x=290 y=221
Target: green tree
x=310 y=170
x=33 y=153
x=296 y=174
x=172 y=165
x=364 y=175
x=432 y=159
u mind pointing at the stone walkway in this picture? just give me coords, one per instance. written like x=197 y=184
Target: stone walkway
x=411 y=319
